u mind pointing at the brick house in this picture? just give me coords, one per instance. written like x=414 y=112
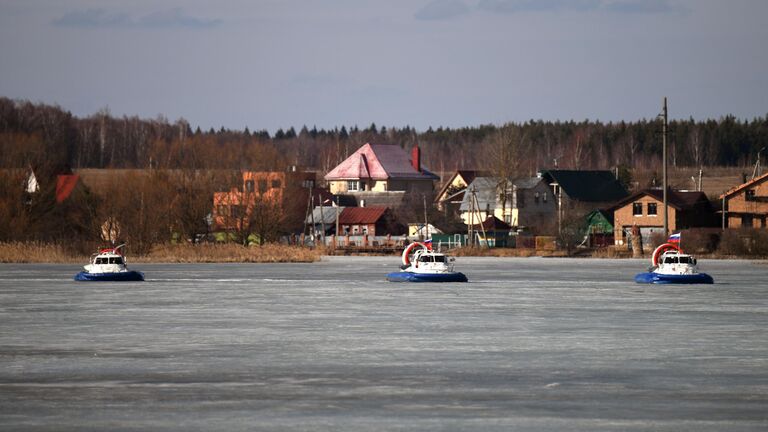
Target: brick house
x=287 y=192
x=645 y=210
x=746 y=205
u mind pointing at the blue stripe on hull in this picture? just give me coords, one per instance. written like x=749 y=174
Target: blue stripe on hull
x=426 y=277
x=656 y=278
x=129 y=276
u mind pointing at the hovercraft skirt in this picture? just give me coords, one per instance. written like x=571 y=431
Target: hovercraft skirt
x=126 y=276
x=658 y=278
x=426 y=277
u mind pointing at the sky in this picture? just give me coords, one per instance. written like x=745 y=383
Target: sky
x=269 y=64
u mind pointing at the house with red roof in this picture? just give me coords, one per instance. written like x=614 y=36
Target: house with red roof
x=65 y=184
x=381 y=174
x=371 y=221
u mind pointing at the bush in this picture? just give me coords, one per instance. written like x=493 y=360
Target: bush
x=700 y=240
x=744 y=242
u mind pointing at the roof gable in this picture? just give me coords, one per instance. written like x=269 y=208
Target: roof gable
x=680 y=200
x=361 y=215
x=65 y=184
x=739 y=188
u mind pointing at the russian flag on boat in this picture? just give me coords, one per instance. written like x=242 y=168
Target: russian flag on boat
x=428 y=243
x=674 y=238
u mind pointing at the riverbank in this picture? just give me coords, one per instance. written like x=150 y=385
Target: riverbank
x=21 y=253
x=186 y=253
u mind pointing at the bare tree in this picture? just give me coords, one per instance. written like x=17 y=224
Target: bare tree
x=509 y=155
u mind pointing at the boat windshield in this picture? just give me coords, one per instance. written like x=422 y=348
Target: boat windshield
x=109 y=260
x=432 y=258
x=678 y=259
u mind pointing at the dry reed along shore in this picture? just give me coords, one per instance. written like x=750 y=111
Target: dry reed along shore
x=205 y=253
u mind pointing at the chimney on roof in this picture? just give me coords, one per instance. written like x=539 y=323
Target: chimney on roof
x=416 y=158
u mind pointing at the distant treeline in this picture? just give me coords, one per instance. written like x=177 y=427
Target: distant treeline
x=45 y=135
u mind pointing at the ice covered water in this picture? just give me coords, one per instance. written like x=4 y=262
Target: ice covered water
x=527 y=344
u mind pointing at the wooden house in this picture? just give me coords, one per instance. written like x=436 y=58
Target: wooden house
x=372 y=221
x=527 y=203
x=586 y=188
x=645 y=210
x=450 y=196
x=492 y=232
x=746 y=205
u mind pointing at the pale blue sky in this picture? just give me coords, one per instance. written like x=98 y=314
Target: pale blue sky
x=281 y=63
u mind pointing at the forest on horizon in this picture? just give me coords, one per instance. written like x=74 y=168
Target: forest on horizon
x=46 y=135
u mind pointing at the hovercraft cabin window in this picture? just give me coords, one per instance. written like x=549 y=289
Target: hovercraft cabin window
x=637 y=209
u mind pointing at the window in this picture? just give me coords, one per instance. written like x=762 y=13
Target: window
x=651 y=209
x=520 y=200
x=275 y=184
x=235 y=209
x=352 y=185
x=249 y=185
x=544 y=197
x=746 y=221
x=115 y=260
x=637 y=209
x=221 y=210
x=309 y=184
x=262 y=186
x=536 y=197
x=750 y=195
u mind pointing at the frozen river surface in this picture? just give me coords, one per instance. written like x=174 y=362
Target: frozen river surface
x=529 y=344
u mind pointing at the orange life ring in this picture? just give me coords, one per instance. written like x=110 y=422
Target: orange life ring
x=405 y=258
x=660 y=250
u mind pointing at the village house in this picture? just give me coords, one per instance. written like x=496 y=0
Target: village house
x=381 y=175
x=371 y=221
x=528 y=202
x=450 y=196
x=286 y=193
x=746 y=205
x=588 y=188
x=645 y=210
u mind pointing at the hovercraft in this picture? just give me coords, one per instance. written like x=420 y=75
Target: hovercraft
x=425 y=265
x=108 y=265
x=672 y=266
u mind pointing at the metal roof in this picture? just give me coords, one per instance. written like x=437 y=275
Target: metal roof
x=361 y=215
x=587 y=186
x=378 y=162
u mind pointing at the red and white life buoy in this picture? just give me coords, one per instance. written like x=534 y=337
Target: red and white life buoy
x=407 y=252
x=660 y=250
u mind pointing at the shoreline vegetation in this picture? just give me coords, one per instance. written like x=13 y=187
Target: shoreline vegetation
x=40 y=253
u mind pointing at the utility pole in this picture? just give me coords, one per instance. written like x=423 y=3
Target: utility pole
x=426 y=221
x=470 y=226
x=664 y=162
x=757 y=171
